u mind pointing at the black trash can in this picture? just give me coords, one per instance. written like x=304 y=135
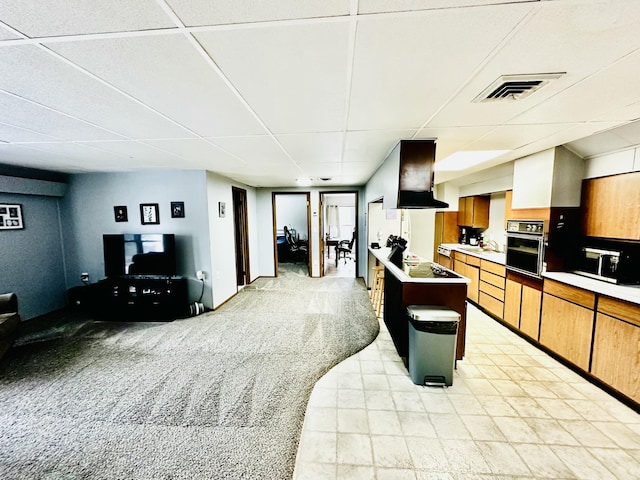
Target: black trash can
x=433 y=334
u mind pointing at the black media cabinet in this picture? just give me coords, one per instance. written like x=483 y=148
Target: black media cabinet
x=134 y=297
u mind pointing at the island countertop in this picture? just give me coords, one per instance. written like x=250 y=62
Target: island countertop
x=381 y=255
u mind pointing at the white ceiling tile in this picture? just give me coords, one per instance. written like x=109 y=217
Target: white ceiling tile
x=23 y=114
x=6 y=34
x=167 y=73
x=68 y=17
x=406 y=67
x=12 y=134
x=314 y=147
x=139 y=154
x=512 y=137
x=198 y=153
x=258 y=152
x=293 y=76
x=379 y=6
x=206 y=12
x=37 y=75
x=26 y=156
x=372 y=147
x=554 y=39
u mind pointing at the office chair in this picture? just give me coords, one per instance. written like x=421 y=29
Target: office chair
x=345 y=247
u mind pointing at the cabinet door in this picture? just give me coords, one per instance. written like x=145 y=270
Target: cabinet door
x=616 y=358
x=611 y=206
x=512 y=297
x=530 y=313
x=474 y=274
x=480 y=212
x=566 y=329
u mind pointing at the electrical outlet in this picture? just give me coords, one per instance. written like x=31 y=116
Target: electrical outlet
x=200 y=275
x=84 y=276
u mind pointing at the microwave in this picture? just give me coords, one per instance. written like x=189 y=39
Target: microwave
x=612 y=266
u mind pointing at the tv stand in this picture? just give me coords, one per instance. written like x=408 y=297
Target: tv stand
x=144 y=297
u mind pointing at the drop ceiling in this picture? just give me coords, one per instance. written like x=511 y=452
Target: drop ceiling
x=266 y=93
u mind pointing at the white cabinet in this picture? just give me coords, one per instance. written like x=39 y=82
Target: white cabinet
x=551 y=178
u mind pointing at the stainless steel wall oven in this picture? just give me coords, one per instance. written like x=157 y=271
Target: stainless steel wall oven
x=525 y=247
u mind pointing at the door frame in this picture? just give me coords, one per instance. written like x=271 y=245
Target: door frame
x=241 y=235
x=321 y=229
x=274 y=195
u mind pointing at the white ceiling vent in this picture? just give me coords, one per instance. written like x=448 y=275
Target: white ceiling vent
x=515 y=87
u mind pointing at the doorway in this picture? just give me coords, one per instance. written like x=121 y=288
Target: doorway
x=241 y=230
x=291 y=227
x=339 y=234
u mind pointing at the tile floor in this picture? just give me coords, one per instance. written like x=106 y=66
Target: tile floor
x=512 y=412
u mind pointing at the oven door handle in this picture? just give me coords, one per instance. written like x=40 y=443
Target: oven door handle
x=526 y=236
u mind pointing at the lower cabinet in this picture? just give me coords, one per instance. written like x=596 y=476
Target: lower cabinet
x=616 y=346
x=512 y=300
x=567 y=326
x=530 y=311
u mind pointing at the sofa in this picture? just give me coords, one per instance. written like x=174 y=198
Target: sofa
x=9 y=321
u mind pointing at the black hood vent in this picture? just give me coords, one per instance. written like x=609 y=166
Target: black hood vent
x=416 y=175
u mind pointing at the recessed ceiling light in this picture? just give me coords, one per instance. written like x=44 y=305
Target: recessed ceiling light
x=466 y=159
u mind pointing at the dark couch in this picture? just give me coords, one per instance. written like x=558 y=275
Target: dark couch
x=9 y=321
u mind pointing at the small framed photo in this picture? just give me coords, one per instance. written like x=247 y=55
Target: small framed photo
x=120 y=213
x=149 y=214
x=177 y=209
x=11 y=217
x=222 y=209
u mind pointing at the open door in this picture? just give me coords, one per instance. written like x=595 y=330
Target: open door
x=291 y=229
x=339 y=233
x=243 y=274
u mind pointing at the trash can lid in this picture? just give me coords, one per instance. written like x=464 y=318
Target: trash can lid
x=431 y=313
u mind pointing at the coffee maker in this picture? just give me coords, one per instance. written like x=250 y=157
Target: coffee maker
x=463 y=238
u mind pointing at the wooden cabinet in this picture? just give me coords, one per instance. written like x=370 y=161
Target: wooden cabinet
x=616 y=346
x=530 y=311
x=473 y=211
x=522 y=304
x=611 y=206
x=446 y=230
x=468 y=266
x=491 y=287
x=567 y=322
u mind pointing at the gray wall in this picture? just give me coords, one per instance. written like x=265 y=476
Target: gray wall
x=32 y=263
x=87 y=214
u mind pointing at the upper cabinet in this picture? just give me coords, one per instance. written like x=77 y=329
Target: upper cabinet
x=611 y=207
x=473 y=211
x=551 y=178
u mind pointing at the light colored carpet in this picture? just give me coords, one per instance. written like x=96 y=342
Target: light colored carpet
x=221 y=395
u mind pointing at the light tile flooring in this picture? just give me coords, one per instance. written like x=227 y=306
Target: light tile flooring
x=512 y=412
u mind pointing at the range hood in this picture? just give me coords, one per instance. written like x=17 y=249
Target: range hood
x=414 y=159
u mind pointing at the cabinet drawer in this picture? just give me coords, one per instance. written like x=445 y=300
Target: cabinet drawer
x=492 y=290
x=492 y=305
x=572 y=294
x=471 y=260
x=493 y=268
x=629 y=312
x=459 y=257
x=492 y=278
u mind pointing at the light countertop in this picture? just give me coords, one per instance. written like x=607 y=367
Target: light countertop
x=621 y=292
x=492 y=256
x=382 y=253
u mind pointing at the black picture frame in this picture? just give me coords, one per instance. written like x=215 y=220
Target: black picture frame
x=11 y=216
x=120 y=213
x=149 y=214
x=222 y=209
x=177 y=209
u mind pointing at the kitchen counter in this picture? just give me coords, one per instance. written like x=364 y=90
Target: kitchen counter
x=381 y=255
x=402 y=290
x=621 y=292
x=492 y=256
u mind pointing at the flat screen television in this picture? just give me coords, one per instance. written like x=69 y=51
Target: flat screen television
x=139 y=254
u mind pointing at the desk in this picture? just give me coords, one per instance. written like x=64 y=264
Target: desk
x=331 y=242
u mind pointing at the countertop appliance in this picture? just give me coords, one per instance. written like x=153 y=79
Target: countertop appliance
x=525 y=247
x=612 y=266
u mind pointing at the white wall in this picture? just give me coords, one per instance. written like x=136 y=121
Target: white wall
x=422 y=233
x=623 y=161
x=222 y=237
x=496 y=231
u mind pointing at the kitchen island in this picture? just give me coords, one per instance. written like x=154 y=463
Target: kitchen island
x=419 y=286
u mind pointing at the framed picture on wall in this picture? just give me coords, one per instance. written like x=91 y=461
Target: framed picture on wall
x=222 y=209
x=11 y=217
x=120 y=213
x=177 y=209
x=149 y=214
